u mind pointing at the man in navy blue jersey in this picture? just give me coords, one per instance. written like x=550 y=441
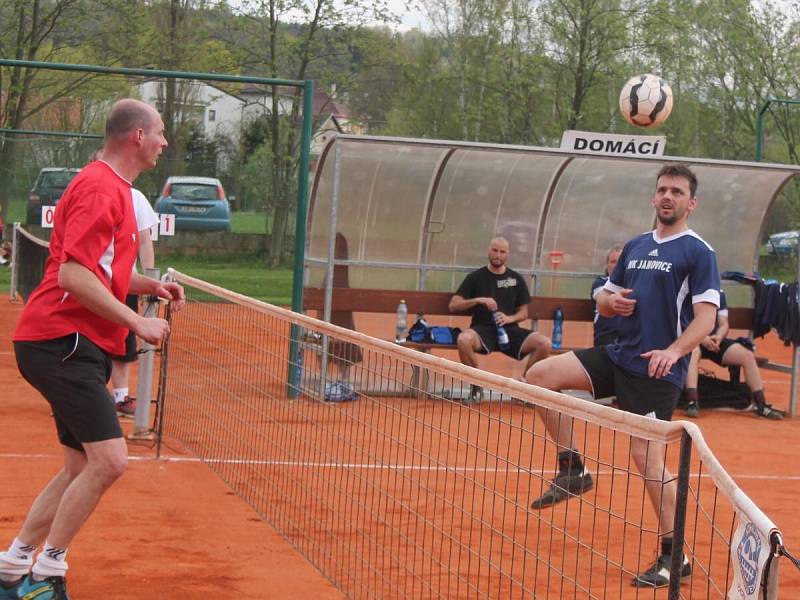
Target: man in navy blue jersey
x=666 y=289
x=606 y=329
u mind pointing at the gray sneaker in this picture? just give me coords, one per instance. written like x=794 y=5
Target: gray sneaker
x=475 y=395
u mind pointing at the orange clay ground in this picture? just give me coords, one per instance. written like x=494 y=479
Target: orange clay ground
x=171 y=529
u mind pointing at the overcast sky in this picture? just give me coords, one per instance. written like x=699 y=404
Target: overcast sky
x=411 y=17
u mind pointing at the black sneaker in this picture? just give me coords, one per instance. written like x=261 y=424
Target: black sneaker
x=766 y=411
x=565 y=484
x=692 y=410
x=657 y=576
x=475 y=395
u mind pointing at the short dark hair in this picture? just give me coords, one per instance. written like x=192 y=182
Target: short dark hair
x=127 y=115
x=680 y=170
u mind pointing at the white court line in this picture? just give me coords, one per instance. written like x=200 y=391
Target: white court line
x=370 y=466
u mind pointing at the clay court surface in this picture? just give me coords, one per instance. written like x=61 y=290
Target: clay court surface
x=172 y=529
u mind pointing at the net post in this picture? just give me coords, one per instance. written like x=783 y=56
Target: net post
x=14 y=259
x=679 y=527
x=162 y=383
x=144 y=379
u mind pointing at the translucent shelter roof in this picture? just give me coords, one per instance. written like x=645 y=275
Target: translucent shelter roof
x=418 y=214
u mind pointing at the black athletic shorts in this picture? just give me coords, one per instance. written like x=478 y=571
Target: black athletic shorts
x=488 y=335
x=72 y=373
x=717 y=356
x=635 y=393
x=131 y=354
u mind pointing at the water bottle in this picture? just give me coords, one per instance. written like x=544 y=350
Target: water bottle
x=401 y=332
x=502 y=334
x=298 y=370
x=558 y=327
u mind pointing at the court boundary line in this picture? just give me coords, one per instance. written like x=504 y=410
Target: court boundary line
x=369 y=466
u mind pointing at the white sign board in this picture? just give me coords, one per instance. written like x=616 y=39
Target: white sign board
x=48 y=214
x=612 y=144
x=167 y=224
x=749 y=553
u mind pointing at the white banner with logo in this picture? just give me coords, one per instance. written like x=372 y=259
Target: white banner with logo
x=612 y=144
x=749 y=552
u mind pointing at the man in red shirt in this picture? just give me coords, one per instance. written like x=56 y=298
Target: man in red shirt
x=72 y=322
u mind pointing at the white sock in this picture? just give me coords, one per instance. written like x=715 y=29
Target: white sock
x=16 y=561
x=51 y=562
x=120 y=394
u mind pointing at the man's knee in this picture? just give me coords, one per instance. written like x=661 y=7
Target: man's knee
x=109 y=460
x=539 y=343
x=467 y=341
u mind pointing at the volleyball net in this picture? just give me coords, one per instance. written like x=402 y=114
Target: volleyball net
x=368 y=458
x=28 y=257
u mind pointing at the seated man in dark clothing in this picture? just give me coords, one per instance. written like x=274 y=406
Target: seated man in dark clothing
x=605 y=328
x=727 y=353
x=496 y=296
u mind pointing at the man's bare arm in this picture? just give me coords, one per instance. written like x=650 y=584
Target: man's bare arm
x=458 y=304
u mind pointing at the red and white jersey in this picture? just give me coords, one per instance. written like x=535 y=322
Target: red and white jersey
x=94 y=225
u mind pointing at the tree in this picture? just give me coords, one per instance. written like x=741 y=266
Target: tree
x=270 y=47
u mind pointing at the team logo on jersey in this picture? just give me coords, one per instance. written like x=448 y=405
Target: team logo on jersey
x=649 y=265
x=653 y=252
x=507 y=283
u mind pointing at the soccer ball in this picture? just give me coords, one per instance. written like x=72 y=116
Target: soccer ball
x=645 y=100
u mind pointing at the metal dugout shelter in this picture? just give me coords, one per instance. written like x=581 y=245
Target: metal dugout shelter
x=418 y=214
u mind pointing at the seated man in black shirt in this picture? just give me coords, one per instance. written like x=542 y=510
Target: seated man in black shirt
x=727 y=352
x=496 y=295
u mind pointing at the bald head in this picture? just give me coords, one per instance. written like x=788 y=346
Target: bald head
x=127 y=116
x=498 y=255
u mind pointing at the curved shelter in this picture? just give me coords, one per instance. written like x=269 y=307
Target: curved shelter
x=417 y=214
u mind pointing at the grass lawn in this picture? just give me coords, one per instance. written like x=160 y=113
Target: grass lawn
x=245 y=275
x=248 y=222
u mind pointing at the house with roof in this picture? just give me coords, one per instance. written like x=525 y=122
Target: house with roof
x=222 y=113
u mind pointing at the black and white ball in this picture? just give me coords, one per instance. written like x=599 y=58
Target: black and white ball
x=645 y=100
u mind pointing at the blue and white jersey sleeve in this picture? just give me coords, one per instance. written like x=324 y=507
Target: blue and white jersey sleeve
x=723 y=305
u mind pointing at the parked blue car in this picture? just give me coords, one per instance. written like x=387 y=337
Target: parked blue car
x=198 y=203
x=783 y=244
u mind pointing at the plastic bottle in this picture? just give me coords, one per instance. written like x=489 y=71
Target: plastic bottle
x=558 y=328
x=298 y=370
x=401 y=332
x=502 y=334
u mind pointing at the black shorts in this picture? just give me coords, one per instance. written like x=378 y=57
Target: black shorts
x=488 y=335
x=637 y=394
x=131 y=354
x=72 y=373
x=717 y=356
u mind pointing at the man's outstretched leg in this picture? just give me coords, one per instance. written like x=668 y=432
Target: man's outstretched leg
x=662 y=490
x=559 y=373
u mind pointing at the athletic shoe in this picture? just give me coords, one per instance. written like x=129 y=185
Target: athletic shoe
x=475 y=395
x=692 y=410
x=126 y=408
x=768 y=412
x=8 y=589
x=565 y=484
x=658 y=575
x=52 y=588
